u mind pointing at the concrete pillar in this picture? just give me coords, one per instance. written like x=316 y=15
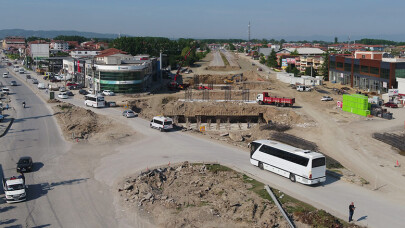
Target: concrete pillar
x=218 y=123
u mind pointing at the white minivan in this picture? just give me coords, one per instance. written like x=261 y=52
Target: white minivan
x=5 y=75
x=162 y=123
x=41 y=86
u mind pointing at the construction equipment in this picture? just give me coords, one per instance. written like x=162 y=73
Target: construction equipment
x=264 y=98
x=174 y=85
x=232 y=80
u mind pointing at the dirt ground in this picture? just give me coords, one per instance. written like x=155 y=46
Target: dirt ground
x=82 y=125
x=210 y=195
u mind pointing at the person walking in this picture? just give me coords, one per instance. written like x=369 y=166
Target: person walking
x=351 y=211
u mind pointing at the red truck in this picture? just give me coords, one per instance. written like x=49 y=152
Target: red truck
x=264 y=98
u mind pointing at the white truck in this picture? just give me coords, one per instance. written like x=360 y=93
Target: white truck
x=14 y=189
x=304 y=88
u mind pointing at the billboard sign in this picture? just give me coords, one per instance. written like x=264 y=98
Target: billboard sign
x=284 y=63
x=290 y=60
x=393 y=92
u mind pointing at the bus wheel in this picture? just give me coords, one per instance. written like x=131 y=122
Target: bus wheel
x=260 y=165
x=292 y=177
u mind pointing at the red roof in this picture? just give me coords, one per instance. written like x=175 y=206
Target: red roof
x=110 y=51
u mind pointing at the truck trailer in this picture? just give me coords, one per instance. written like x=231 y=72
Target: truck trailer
x=265 y=98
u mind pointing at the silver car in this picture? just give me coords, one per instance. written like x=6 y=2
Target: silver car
x=129 y=113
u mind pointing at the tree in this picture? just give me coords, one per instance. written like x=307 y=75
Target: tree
x=295 y=53
x=310 y=71
x=336 y=40
x=232 y=47
x=293 y=70
x=262 y=60
x=241 y=50
x=325 y=65
x=272 y=59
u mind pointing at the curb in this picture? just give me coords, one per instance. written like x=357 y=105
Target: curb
x=7 y=128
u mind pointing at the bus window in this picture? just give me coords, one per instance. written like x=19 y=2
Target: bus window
x=318 y=162
x=253 y=147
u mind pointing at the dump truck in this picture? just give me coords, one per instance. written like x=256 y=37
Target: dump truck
x=14 y=189
x=265 y=98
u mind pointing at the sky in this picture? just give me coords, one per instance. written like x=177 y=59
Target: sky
x=209 y=18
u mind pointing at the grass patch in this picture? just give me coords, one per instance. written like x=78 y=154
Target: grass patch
x=257 y=187
x=364 y=181
x=224 y=59
x=204 y=203
x=215 y=168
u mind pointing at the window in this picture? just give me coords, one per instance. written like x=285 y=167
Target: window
x=158 y=122
x=356 y=68
x=364 y=69
x=374 y=70
x=332 y=65
x=400 y=73
x=348 y=67
x=363 y=56
x=168 y=123
x=385 y=73
x=339 y=65
x=318 y=162
x=253 y=147
x=285 y=155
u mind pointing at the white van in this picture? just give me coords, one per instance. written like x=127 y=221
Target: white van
x=5 y=75
x=5 y=90
x=21 y=71
x=16 y=68
x=41 y=86
x=303 y=88
x=162 y=123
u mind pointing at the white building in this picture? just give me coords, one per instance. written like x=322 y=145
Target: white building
x=59 y=45
x=82 y=53
x=39 y=50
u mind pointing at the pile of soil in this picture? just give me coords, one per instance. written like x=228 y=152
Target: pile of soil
x=194 y=196
x=79 y=123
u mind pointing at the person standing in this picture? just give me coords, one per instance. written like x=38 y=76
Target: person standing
x=351 y=211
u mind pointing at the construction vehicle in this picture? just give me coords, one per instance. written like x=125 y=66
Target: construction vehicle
x=232 y=80
x=174 y=85
x=14 y=188
x=265 y=98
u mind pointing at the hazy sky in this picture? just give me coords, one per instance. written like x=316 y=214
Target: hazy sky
x=208 y=18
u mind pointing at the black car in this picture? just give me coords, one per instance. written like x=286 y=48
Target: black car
x=69 y=93
x=28 y=76
x=83 y=92
x=24 y=164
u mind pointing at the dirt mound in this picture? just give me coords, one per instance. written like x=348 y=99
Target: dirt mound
x=79 y=123
x=199 y=196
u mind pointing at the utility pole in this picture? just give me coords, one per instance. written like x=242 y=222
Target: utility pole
x=249 y=35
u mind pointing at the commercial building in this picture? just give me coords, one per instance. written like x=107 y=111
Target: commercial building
x=16 y=42
x=120 y=72
x=84 y=53
x=366 y=74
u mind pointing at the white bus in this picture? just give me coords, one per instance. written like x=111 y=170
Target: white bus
x=96 y=101
x=304 y=166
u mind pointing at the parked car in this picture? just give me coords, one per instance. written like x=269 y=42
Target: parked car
x=108 y=93
x=28 y=76
x=34 y=81
x=24 y=164
x=13 y=83
x=5 y=75
x=41 y=86
x=90 y=91
x=63 y=95
x=71 y=84
x=62 y=89
x=326 y=98
x=69 y=93
x=111 y=104
x=54 y=80
x=83 y=92
x=390 y=105
x=1 y=118
x=129 y=113
x=5 y=90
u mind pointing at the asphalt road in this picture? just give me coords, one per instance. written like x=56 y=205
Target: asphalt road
x=56 y=197
x=217 y=59
x=72 y=198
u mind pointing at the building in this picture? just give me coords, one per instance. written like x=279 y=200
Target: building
x=83 y=53
x=16 y=42
x=305 y=61
x=73 y=44
x=38 y=49
x=267 y=51
x=366 y=74
x=368 y=55
x=59 y=45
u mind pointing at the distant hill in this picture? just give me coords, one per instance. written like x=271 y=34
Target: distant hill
x=54 y=33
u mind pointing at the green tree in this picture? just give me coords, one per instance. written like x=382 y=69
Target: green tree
x=272 y=59
x=232 y=47
x=336 y=40
x=241 y=50
x=293 y=70
x=325 y=65
x=310 y=71
x=262 y=60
